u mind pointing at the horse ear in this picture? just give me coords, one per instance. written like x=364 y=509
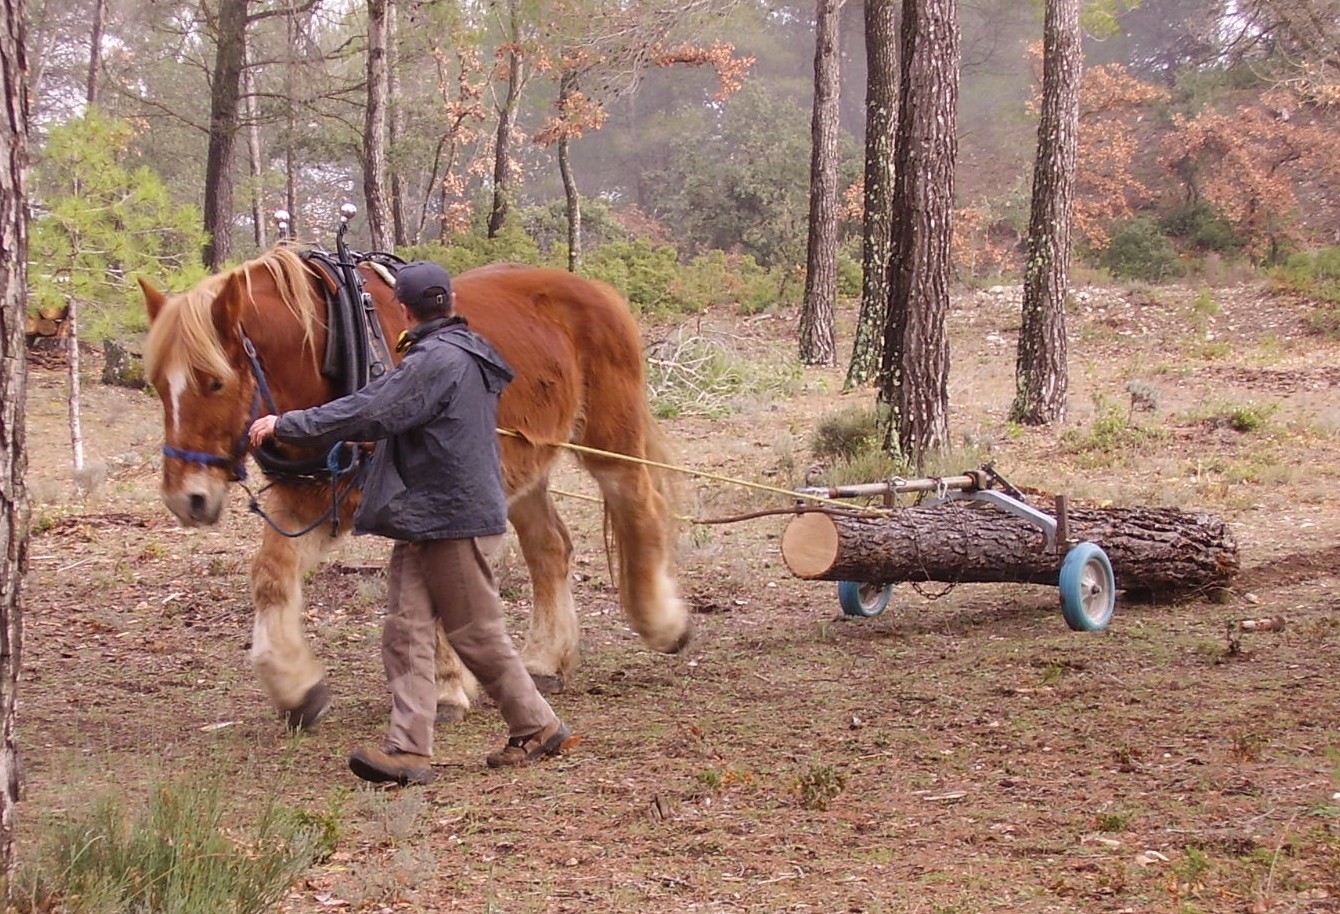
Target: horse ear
x=227 y=308
x=153 y=299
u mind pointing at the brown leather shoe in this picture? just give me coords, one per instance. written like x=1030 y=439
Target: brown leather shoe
x=522 y=750
x=403 y=768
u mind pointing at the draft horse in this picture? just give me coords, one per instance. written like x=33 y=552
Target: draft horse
x=239 y=341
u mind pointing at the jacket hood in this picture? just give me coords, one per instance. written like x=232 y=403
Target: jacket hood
x=497 y=373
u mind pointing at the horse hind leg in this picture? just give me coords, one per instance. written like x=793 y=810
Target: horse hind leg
x=551 y=649
x=457 y=687
x=640 y=519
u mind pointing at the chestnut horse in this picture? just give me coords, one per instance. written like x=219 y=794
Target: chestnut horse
x=577 y=354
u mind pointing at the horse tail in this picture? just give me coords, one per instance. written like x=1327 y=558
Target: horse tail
x=666 y=481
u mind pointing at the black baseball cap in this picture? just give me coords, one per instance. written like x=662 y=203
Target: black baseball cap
x=423 y=285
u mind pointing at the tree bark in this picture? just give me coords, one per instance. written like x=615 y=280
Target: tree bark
x=375 y=169
x=396 y=123
x=14 y=504
x=914 y=367
x=1040 y=378
x=1151 y=549
x=881 y=122
x=291 y=27
x=260 y=233
x=502 y=145
x=75 y=406
x=95 y=51
x=573 y=199
x=817 y=345
x=230 y=35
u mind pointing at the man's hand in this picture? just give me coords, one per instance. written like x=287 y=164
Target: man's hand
x=262 y=430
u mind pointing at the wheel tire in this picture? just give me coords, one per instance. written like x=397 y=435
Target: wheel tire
x=1088 y=590
x=858 y=598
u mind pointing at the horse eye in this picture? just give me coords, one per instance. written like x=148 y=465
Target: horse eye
x=215 y=385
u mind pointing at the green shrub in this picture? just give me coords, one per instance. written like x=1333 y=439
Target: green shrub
x=1140 y=250
x=846 y=435
x=182 y=853
x=467 y=250
x=1203 y=228
x=1315 y=274
x=547 y=224
x=718 y=279
x=849 y=276
x=642 y=271
x=1111 y=434
x=1240 y=417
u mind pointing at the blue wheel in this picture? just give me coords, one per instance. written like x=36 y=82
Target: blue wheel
x=1088 y=590
x=858 y=598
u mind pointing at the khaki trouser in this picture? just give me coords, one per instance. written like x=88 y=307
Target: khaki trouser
x=450 y=580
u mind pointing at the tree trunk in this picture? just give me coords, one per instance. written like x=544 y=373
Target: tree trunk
x=14 y=505
x=817 y=345
x=95 y=51
x=502 y=145
x=567 y=86
x=399 y=220
x=375 y=170
x=230 y=35
x=881 y=120
x=76 y=393
x=1151 y=549
x=291 y=121
x=259 y=234
x=914 y=368
x=1040 y=367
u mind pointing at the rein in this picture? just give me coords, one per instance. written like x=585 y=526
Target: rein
x=337 y=469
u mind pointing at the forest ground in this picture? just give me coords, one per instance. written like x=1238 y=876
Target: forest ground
x=963 y=752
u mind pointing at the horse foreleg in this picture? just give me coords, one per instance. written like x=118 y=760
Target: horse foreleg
x=457 y=687
x=289 y=671
x=639 y=516
x=550 y=653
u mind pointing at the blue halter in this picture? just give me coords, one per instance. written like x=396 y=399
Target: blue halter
x=235 y=461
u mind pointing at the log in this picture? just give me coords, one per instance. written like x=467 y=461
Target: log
x=1152 y=550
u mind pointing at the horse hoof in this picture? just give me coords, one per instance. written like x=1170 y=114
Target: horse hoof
x=684 y=639
x=450 y=714
x=314 y=706
x=548 y=684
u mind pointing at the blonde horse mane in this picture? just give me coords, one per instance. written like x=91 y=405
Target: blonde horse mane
x=184 y=336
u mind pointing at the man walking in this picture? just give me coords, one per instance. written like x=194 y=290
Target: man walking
x=434 y=485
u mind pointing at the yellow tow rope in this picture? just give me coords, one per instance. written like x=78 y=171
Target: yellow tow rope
x=701 y=474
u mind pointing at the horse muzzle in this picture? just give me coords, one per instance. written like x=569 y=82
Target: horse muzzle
x=196 y=503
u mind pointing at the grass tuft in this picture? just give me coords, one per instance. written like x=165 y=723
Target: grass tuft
x=176 y=855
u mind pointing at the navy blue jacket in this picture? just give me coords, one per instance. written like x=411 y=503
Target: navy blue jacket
x=436 y=473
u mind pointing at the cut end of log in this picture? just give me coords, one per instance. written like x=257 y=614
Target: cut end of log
x=810 y=544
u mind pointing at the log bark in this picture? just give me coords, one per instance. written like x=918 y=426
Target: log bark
x=1151 y=549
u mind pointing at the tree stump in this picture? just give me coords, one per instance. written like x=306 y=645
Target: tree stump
x=120 y=366
x=1151 y=549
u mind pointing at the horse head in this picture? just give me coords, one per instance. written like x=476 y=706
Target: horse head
x=196 y=359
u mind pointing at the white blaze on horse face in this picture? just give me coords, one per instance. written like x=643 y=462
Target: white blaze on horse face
x=178 y=382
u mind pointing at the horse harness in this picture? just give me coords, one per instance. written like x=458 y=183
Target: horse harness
x=356 y=353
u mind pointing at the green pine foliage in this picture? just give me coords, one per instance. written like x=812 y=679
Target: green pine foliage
x=97 y=222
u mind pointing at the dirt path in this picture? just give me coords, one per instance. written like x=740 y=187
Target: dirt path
x=964 y=752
